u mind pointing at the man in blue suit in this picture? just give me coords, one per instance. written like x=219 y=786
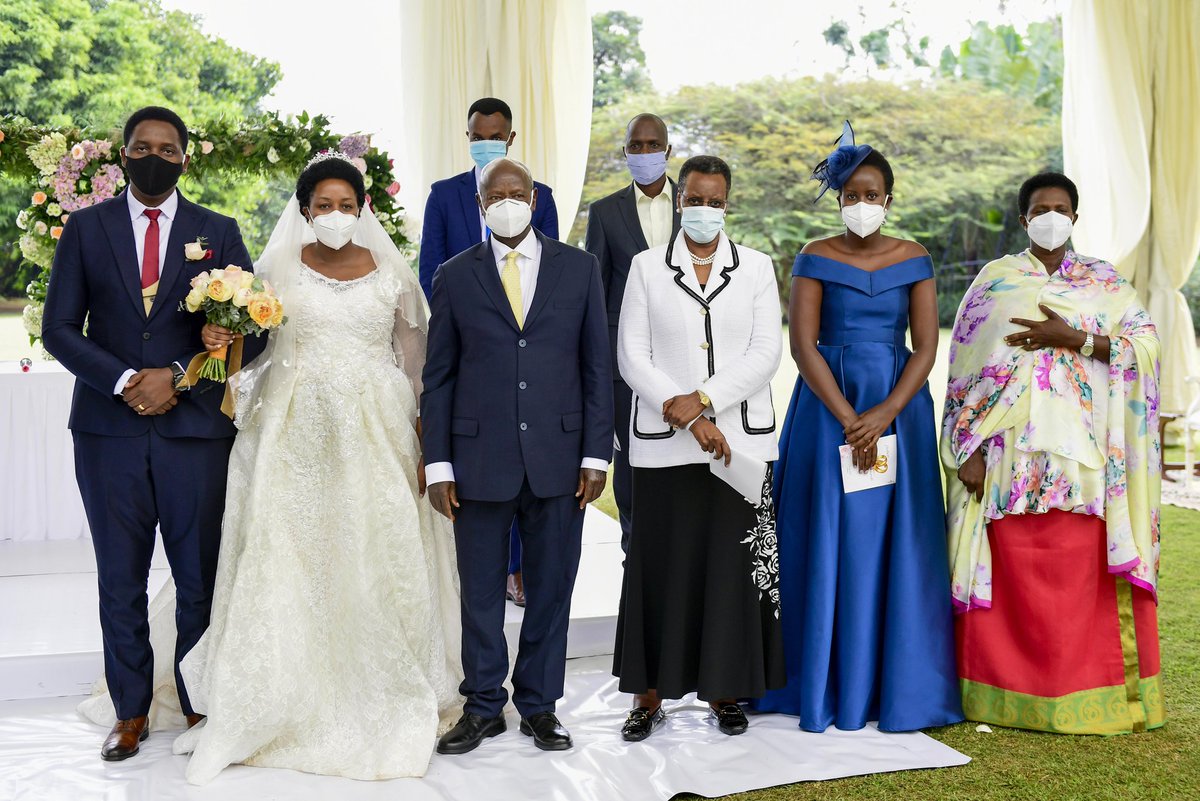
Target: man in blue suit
x=454 y=223
x=150 y=450
x=518 y=422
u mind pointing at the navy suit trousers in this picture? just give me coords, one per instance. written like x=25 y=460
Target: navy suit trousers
x=551 y=536
x=130 y=485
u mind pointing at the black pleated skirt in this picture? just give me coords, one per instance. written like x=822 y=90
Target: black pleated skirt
x=700 y=599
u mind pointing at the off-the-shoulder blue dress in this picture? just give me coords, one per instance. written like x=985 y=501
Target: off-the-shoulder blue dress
x=864 y=579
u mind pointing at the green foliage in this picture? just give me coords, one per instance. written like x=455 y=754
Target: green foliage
x=89 y=63
x=1029 y=66
x=618 y=61
x=959 y=154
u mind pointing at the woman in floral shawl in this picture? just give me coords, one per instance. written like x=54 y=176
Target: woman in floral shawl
x=1050 y=442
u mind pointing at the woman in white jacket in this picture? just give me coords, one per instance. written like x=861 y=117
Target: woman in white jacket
x=699 y=341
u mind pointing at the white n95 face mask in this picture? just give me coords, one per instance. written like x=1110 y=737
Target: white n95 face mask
x=864 y=219
x=1050 y=230
x=334 y=229
x=508 y=217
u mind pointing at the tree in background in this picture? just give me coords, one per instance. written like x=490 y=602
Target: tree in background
x=92 y=62
x=618 y=61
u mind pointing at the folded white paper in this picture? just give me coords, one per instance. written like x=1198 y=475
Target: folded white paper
x=882 y=474
x=744 y=473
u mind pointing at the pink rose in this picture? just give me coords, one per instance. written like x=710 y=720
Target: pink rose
x=393 y=188
x=361 y=163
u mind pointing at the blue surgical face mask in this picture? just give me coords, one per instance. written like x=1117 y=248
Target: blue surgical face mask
x=485 y=151
x=702 y=223
x=646 y=168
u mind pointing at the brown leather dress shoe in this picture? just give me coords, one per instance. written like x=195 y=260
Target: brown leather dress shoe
x=125 y=739
x=193 y=719
x=515 y=591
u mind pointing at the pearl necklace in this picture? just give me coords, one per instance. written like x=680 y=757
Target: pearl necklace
x=709 y=259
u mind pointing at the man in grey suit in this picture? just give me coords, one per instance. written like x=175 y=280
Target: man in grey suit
x=641 y=216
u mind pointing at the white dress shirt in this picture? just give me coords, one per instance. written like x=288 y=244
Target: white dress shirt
x=654 y=213
x=529 y=262
x=141 y=224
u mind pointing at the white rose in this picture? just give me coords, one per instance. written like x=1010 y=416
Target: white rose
x=242 y=297
x=360 y=163
x=206 y=147
x=78 y=153
x=194 y=251
x=273 y=156
x=40 y=228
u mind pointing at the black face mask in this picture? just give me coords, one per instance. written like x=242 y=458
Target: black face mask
x=153 y=175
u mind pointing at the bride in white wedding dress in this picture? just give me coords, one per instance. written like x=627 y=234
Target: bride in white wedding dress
x=333 y=646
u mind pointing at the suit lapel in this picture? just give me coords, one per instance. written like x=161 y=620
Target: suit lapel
x=489 y=279
x=675 y=214
x=549 y=271
x=466 y=193
x=627 y=203
x=184 y=228
x=119 y=230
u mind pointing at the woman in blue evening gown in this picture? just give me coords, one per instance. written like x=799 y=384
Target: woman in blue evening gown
x=864 y=579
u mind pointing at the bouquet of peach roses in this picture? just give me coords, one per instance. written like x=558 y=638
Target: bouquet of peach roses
x=235 y=299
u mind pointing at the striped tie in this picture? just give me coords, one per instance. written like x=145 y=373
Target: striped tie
x=510 y=277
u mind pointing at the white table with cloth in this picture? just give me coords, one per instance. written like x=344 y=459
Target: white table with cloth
x=39 y=499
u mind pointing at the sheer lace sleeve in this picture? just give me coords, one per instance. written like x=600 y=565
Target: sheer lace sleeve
x=410 y=334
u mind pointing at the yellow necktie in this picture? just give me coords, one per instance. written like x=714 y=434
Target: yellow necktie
x=510 y=278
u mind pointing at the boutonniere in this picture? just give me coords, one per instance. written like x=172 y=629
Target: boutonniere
x=198 y=250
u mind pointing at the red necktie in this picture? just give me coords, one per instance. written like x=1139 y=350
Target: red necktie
x=150 y=251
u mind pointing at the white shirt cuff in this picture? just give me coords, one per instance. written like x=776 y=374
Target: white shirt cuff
x=438 y=472
x=589 y=464
x=123 y=380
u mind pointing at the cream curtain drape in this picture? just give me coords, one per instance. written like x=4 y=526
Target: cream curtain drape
x=1131 y=98
x=536 y=55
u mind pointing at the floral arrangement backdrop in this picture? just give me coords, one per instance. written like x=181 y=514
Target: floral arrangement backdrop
x=71 y=168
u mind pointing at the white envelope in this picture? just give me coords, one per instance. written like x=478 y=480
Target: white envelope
x=744 y=473
x=881 y=475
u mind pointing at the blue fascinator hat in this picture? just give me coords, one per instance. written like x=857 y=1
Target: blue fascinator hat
x=838 y=166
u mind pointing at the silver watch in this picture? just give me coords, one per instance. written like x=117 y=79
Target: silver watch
x=1089 y=345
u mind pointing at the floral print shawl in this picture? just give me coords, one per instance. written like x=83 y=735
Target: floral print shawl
x=1058 y=430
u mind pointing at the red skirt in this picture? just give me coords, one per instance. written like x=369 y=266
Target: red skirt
x=1066 y=646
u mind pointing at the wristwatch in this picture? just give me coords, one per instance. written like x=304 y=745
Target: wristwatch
x=1089 y=345
x=704 y=399
x=179 y=378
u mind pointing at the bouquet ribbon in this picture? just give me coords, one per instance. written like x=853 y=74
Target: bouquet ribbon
x=233 y=362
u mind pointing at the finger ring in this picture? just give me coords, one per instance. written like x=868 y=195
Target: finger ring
x=141 y=408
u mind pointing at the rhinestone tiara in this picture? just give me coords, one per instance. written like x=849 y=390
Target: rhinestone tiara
x=326 y=155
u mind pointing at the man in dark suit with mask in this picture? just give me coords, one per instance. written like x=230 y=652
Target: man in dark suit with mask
x=151 y=450
x=638 y=217
x=517 y=422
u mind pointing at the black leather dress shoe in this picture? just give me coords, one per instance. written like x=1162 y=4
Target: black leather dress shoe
x=469 y=732
x=641 y=723
x=730 y=719
x=547 y=733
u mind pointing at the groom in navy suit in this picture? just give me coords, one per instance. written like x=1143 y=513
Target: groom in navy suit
x=150 y=450
x=454 y=223
x=517 y=414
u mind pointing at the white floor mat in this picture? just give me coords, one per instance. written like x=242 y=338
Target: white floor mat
x=48 y=753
